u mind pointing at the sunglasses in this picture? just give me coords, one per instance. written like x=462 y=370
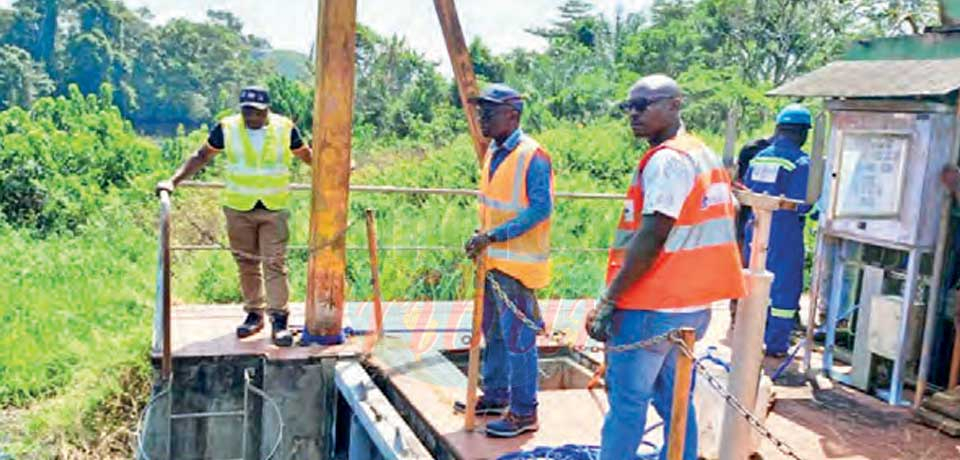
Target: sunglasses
x=489 y=110
x=640 y=104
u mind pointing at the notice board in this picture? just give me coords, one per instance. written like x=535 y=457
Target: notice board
x=871 y=174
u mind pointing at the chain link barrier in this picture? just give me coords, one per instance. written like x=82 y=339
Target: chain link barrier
x=529 y=323
x=673 y=336
x=733 y=402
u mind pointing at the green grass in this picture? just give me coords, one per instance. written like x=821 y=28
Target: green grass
x=74 y=334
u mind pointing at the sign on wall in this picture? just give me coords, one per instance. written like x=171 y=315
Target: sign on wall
x=870 y=174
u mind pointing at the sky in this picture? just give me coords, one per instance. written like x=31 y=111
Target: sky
x=291 y=24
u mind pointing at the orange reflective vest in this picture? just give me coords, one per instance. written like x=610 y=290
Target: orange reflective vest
x=699 y=262
x=502 y=198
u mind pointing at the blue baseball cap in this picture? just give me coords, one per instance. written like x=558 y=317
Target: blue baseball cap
x=498 y=93
x=256 y=97
x=794 y=114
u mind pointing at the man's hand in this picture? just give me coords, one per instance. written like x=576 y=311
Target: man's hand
x=950 y=176
x=477 y=244
x=599 y=321
x=164 y=185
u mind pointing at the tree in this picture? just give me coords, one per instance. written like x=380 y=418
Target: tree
x=22 y=79
x=485 y=65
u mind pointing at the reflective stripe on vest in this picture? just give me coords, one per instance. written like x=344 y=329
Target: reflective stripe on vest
x=784 y=313
x=700 y=262
x=502 y=197
x=252 y=175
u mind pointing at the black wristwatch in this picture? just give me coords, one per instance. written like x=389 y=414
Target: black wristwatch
x=490 y=237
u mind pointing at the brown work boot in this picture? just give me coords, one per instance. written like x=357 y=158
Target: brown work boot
x=251 y=325
x=280 y=334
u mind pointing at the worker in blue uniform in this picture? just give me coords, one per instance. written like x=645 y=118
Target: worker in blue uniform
x=783 y=169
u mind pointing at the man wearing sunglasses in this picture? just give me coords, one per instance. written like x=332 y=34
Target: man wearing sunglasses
x=674 y=253
x=516 y=188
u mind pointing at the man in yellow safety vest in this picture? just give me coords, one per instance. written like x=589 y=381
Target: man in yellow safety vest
x=259 y=146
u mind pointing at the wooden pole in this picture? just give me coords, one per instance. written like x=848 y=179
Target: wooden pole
x=681 y=397
x=955 y=358
x=375 y=273
x=730 y=140
x=817 y=161
x=462 y=69
x=332 y=129
x=467 y=85
x=473 y=368
x=747 y=341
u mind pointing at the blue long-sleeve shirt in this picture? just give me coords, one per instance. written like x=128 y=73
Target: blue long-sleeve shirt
x=539 y=192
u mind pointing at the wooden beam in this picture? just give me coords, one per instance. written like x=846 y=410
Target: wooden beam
x=332 y=129
x=462 y=69
x=473 y=365
x=682 y=382
x=375 y=274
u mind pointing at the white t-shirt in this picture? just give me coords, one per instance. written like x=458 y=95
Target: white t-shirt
x=667 y=180
x=257 y=138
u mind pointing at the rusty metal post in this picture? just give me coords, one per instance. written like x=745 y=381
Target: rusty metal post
x=462 y=69
x=374 y=273
x=332 y=129
x=682 y=383
x=473 y=367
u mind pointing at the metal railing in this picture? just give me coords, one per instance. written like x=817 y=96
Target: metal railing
x=144 y=423
x=162 y=321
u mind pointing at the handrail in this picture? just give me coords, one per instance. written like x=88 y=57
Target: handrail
x=302 y=247
x=418 y=190
x=162 y=321
x=161 y=325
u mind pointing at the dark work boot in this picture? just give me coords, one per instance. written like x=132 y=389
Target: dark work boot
x=281 y=335
x=251 y=325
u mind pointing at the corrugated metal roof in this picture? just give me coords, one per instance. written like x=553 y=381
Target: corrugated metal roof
x=884 y=78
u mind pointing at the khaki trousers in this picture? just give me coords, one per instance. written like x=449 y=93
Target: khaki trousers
x=264 y=233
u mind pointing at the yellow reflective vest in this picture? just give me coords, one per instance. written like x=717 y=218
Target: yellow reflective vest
x=251 y=175
x=502 y=198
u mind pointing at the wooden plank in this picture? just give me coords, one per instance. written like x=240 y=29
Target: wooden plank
x=872 y=286
x=938 y=421
x=332 y=130
x=384 y=425
x=946 y=403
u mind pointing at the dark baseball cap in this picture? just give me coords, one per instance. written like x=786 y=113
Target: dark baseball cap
x=498 y=93
x=256 y=97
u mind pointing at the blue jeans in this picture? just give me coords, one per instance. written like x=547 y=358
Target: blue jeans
x=510 y=356
x=636 y=378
